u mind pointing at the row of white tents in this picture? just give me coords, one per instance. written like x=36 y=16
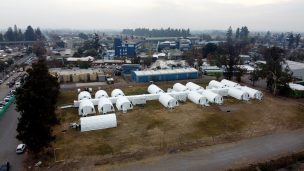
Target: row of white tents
x=213 y=93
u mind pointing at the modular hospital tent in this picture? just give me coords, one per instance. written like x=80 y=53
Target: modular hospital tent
x=179 y=87
x=123 y=104
x=238 y=94
x=105 y=105
x=253 y=93
x=213 y=97
x=168 y=101
x=154 y=89
x=84 y=95
x=230 y=83
x=193 y=87
x=197 y=98
x=86 y=107
x=101 y=93
x=98 y=122
x=117 y=92
x=216 y=84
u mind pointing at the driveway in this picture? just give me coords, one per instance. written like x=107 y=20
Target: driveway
x=225 y=156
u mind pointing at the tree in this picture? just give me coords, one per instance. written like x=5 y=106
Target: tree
x=237 y=34
x=83 y=36
x=1 y=37
x=36 y=100
x=39 y=35
x=229 y=35
x=275 y=71
x=29 y=34
x=297 y=39
x=9 y=35
x=39 y=49
x=209 y=48
x=291 y=40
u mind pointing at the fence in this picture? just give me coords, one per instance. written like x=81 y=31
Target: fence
x=4 y=109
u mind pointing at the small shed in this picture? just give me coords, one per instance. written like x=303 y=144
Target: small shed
x=168 y=101
x=105 y=105
x=84 y=95
x=154 y=89
x=197 y=98
x=238 y=94
x=101 y=93
x=216 y=84
x=86 y=107
x=98 y=122
x=253 y=93
x=179 y=87
x=213 y=97
x=229 y=83
x=193 y=87
x=117 y=93
x=123 y=104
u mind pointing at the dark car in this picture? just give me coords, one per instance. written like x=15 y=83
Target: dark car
x=5 y=166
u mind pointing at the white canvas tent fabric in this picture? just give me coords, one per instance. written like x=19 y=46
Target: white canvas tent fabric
x=117 y=93
x=298 y=87
x=86 y=107
x=213 y=97
x=168 y=101
x=238 y=94
x=179 y=87
x=84 y=95
x=216 y=84
x=154 y=89
x=101 y=93
x=193 y=87
x=105 y=105
x=229 y=83
x=98 y=122
x=197 y=98
x=123 y=103
x=253 y=93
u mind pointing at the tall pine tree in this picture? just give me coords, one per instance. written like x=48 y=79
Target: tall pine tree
x=36 y=100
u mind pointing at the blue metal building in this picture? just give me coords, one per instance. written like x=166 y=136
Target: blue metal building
x=125 y=49
x=128 y=68
x=164 y=75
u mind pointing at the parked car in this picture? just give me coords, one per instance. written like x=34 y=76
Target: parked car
x=2 y=102
x=7 y=98
x=20 y=148
x=5 y=166
x=1 y=81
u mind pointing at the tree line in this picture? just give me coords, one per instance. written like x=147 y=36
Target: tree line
x=16 y=34
x=169 y=32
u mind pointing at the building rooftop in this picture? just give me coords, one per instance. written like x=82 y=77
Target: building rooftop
x=167 y=71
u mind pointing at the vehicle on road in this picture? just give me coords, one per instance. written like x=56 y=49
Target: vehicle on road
x=5 y=166
x=1 y=81
x=20 y=148
x=2 y=102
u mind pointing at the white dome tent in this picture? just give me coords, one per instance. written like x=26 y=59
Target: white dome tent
x=86 y=107
x=168 y=101
x=154 y=89
x=216 y=84
x=230 y=83
x=123 y=104
x=179 y=87
x=105 y=105
x=98 y=122
x=101 y=93
x=117 y=93
x=197 y=98
x=84 y=95
x=213 y=97
x=238 y=94
x=193 y=87
x=253 y=93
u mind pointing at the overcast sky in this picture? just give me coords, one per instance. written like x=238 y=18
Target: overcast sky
x=258 y=15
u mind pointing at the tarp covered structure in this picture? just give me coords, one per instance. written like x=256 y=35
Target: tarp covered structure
x=98 y=122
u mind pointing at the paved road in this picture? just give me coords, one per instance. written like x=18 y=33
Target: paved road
x=8 y=125
x=8 y=141
x=226 y=156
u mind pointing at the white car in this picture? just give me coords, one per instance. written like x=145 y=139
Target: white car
x=20 y=148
